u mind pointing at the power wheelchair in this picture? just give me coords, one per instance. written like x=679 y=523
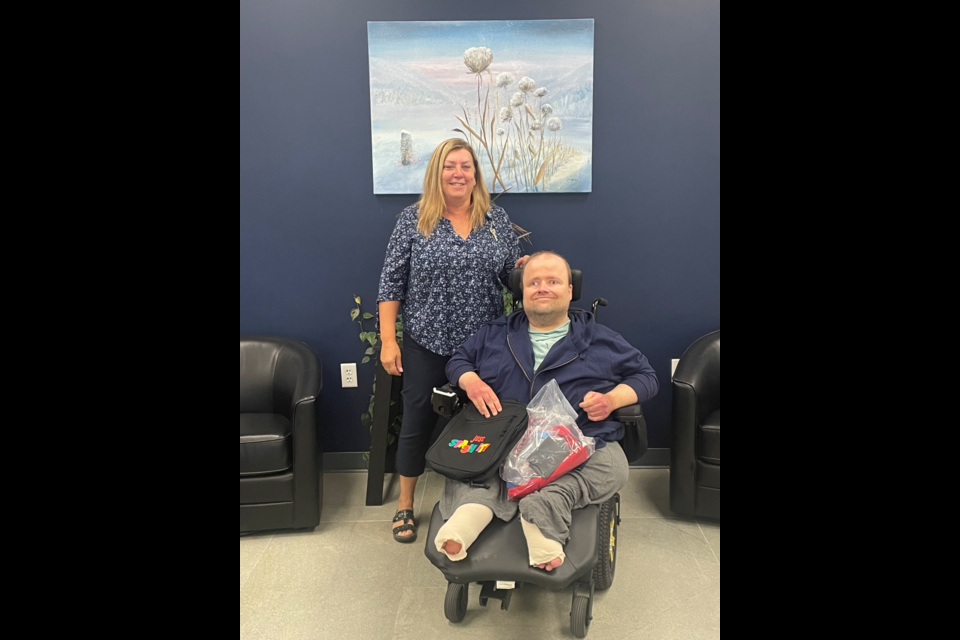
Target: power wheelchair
x=498 y=560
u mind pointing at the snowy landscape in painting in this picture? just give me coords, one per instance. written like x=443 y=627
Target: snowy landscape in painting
x=520 y=91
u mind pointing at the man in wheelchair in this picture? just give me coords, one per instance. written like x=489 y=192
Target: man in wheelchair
x=514 y=357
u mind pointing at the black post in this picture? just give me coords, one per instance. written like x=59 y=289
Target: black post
x=382 y=417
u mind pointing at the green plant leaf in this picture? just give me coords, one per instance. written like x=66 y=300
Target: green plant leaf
x=368 y=352
x=368 y=316
x=355 y=314
x=356 y=298
x=365 y=360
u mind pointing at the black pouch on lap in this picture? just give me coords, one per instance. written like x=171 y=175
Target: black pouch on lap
x=472 y=448
x=548 y=456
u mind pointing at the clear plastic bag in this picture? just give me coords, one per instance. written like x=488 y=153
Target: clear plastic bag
x=552 y=446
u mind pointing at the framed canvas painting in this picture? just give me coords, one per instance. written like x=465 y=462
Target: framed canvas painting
x=520 y=91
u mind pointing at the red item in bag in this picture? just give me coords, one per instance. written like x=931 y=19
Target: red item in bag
x=559 y=436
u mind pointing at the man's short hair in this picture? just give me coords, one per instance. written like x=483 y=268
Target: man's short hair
x=549 y=253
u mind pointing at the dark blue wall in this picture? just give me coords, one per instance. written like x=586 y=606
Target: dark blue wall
x=312 y=234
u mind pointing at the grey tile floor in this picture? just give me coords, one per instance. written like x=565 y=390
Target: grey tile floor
x=349 y=580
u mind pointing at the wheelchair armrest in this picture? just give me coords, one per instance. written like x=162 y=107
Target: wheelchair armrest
x=634 y=443
x=629 y=414
x=448 y=400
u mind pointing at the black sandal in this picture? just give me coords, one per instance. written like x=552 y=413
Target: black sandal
x=405 y=515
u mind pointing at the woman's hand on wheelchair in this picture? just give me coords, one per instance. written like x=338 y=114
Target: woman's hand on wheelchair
x=480 y=394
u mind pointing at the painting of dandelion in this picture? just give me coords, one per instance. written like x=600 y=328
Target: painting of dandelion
x=520 y=91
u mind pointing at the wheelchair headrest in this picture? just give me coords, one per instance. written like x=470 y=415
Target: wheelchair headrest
x=516 y=283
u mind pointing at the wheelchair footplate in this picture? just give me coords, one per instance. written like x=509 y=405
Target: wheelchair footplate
x=500 y=554
x=498 y=561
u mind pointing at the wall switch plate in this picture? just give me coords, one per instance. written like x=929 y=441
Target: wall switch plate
x=348 y=375
x=673 y=371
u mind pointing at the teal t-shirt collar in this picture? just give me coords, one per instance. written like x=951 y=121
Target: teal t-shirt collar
x=543 y=341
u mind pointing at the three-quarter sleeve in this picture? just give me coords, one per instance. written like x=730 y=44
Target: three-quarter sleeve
x=395 y=276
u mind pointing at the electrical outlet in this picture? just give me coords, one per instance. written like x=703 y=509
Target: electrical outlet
x=673 y=371
x=348 y=375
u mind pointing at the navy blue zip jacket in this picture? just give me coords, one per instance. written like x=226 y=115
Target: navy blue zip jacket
x=590 y=357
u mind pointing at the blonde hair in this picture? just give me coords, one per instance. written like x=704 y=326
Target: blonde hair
x=432 y=203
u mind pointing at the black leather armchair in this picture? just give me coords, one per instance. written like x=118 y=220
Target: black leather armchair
x=695 y=451
x=281 y=461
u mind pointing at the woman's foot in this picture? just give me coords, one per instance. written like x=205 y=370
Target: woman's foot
x=404 y=528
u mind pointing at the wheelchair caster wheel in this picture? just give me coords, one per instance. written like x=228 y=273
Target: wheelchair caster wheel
x=580 y=617
x=455 y=605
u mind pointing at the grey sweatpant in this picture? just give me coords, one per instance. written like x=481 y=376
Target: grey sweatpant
x=605 y=474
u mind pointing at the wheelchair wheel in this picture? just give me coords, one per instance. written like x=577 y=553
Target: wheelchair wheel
x=455 y=605
x=580 y=617
x=606 y=569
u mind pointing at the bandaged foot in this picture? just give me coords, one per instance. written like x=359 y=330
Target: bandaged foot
x=461 y=530
x=544 y=553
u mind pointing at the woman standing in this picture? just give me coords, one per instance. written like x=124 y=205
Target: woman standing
x=446 y=261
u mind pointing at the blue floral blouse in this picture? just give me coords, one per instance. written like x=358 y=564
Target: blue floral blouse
x=448 y=287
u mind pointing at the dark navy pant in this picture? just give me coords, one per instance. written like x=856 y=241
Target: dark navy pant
x=422 y=371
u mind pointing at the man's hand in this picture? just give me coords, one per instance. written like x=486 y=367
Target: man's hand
x=598 y=406
x=480 y=394
x=390 y=357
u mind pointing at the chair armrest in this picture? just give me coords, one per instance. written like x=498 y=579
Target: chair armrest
x=307 y=464
x=297 y=377
x=297 y=382
x=309 y=384
x=698 y=372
